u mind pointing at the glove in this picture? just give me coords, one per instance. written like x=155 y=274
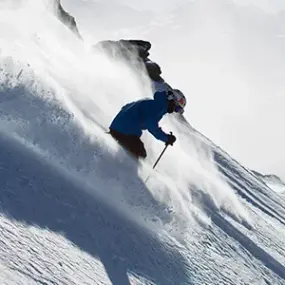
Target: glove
x=171 y=140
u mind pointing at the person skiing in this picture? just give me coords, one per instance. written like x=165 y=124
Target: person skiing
x=145 y=114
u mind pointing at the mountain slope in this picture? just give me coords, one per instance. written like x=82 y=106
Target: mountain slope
x=39 y=205
x=76 y=209
x=273 y=181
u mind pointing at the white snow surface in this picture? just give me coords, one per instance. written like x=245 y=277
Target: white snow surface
x=275 y=183
x=76 y=209
x=278 y=188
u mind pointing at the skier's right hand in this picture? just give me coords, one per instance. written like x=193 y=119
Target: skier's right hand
x=171 y=139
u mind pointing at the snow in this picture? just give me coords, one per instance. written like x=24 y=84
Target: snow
x=76 y=209
x=272 y=181
x=277 y=185
x=278 y=188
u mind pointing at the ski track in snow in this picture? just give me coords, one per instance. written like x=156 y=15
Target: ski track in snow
x=75 y=209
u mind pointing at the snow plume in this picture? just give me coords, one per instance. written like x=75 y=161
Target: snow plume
x=191 y=179
x=66 y=67
x=61 y=97
x=60 y=94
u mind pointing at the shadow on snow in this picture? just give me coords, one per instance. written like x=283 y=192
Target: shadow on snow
x=35 y=193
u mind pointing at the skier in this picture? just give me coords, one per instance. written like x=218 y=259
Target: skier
x=145 y=114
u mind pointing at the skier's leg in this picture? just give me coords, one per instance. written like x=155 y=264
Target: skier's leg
x=131 y=143
x=135 y=146
x=123 y=140
x=139 y=147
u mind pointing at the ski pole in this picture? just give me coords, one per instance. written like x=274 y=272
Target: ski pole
x=157 y=160
x=161 y=154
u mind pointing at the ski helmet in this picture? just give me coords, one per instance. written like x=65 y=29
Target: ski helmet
x=179 y=99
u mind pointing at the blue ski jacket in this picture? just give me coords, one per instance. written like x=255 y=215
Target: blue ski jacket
x=142 y=115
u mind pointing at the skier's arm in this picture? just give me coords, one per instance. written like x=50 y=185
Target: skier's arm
x=149 y=112
x=157 y=132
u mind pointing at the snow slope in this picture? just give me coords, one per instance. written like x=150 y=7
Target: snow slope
x=75 y=209
x=272 y=181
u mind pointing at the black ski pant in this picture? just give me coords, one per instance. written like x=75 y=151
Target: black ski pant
x=131 y=143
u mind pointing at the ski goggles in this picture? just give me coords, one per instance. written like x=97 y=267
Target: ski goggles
x=179 y=108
